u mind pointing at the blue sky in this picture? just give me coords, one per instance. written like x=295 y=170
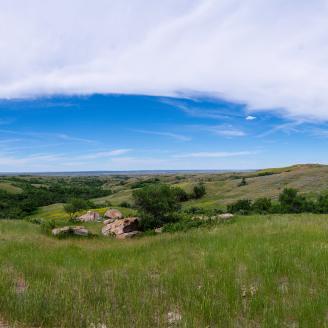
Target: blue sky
x=229 y=84
x=121 y=132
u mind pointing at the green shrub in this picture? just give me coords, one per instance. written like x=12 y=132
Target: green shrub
x=242 y=206
x=291 y=202
x=262 y=205
x=199 y=191
x=181 y=195
x=321 y=205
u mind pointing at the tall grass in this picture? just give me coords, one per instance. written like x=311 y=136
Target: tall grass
x=268 y=271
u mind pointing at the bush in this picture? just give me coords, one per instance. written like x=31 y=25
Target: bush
x=157 y=205
x=181 y=195
x=291 y=202
x=262 y=205
x=242 y=206
x=199 y=191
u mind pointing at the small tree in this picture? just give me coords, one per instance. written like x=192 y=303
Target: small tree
x=75 y=205
x=199 y=191
x=243 y=182
x=157 y=205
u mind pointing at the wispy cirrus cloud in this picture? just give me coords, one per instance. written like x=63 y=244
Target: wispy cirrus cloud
x=103 y=154
x=176 y=136
x=223 y=130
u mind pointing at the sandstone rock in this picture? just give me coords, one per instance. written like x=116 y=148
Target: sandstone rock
x=128 y=235
x=122 y=227
x=108 y=221
x=70 y=230
x=225 y=216
x=60 y=231
x=89 y=216
x=80 y=231
x=113 y=214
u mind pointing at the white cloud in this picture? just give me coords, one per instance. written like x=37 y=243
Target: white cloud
x=250 y=118
x=268 y=54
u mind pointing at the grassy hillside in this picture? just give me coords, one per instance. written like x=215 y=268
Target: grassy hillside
x=223 y=188
x=258 y=271
x=9 y=187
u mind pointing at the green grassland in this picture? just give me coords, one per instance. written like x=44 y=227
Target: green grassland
x=258 y=271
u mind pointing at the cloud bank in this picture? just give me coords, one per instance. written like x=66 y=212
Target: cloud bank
x=267 y=54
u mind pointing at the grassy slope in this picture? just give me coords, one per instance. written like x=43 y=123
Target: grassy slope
x=9 y=187
x=256 y=272
x=223 y=188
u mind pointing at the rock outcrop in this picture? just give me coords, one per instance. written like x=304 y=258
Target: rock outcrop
x=122 y=229
x=89 y=216
x=113 y=214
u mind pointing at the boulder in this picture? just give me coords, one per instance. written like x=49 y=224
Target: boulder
x=89 y=216
x=225 y=216
x=113 y=214
x=108 y=221
x=60 y=231
x=122 y=229
x=70 y=230
x=80 y=231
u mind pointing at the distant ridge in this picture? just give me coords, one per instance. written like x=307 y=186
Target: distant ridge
x=161 y=172
x=132 y=172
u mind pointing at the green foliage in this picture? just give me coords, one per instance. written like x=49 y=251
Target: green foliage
x=199 y=191
x=262 y=205
x=322 y=203
x=182 y=195
x=144 y=183
x=291 y=202
x=49 y=191
x=242 y=206
x=157 y=205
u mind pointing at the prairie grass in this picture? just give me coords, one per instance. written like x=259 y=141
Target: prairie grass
x=260 y=271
